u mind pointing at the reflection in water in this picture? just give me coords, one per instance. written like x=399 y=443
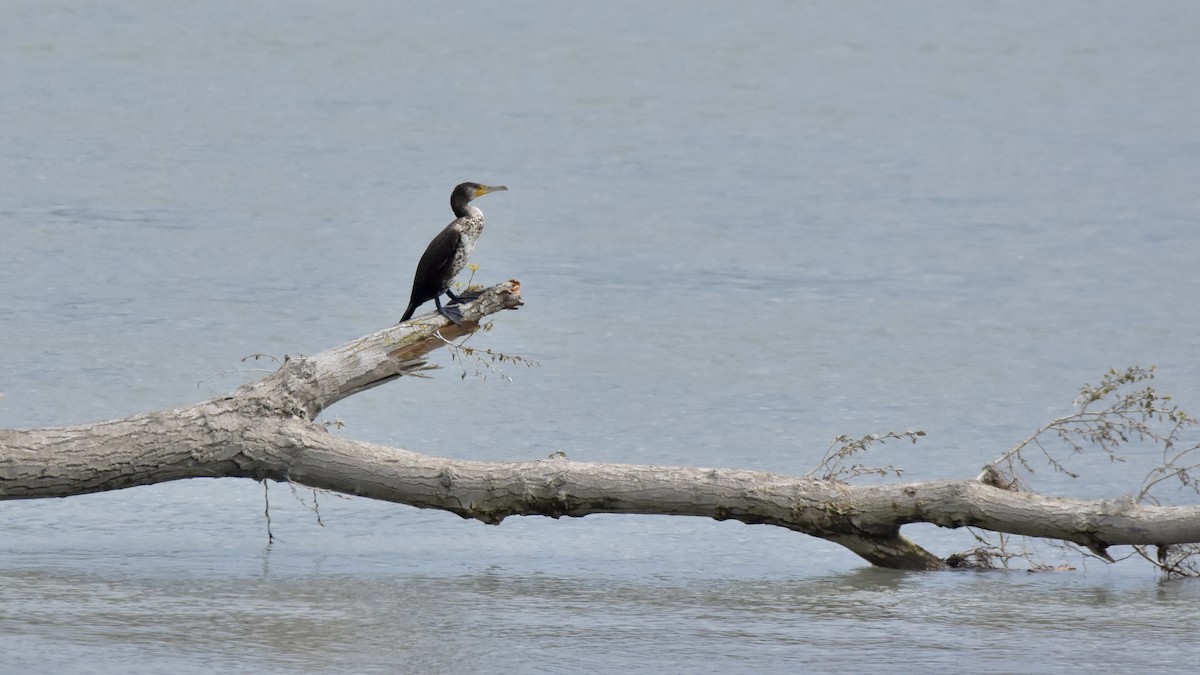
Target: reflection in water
x=505 y=620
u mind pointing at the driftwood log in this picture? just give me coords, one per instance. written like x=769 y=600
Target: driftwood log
x=265 y=430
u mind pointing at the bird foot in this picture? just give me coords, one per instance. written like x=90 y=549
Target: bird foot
x=463 y=297
x=451 y=313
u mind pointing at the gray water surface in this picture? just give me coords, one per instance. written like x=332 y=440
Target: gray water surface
x=741 y=230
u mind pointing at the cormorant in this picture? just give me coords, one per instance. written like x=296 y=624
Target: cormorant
x=448 y=253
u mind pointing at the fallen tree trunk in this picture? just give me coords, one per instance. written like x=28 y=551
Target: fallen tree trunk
x=265 y=430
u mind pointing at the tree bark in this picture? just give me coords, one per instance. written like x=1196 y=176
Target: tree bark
x=265 y=430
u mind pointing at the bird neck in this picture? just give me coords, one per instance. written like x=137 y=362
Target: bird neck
x=466 y=211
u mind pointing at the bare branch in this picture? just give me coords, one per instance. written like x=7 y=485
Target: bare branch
x=266 y=430
x=1141 y=415
x=843 y=447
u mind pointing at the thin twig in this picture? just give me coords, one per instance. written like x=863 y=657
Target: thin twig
x=267 y=511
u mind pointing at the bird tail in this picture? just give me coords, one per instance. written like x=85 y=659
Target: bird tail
x=412 y=307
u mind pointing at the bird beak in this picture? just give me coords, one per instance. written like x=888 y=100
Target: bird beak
x=484 y=189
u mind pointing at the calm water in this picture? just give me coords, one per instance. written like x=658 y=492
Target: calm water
x=741 y=230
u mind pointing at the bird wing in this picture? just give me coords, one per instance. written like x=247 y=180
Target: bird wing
x=435 y=264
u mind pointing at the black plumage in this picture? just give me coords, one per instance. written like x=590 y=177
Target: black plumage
x=448 y=253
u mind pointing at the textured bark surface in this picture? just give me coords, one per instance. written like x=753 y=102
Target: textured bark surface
x=264 y=430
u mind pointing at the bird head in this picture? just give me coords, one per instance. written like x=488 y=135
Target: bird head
x=469 y=191
x=465 y=192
